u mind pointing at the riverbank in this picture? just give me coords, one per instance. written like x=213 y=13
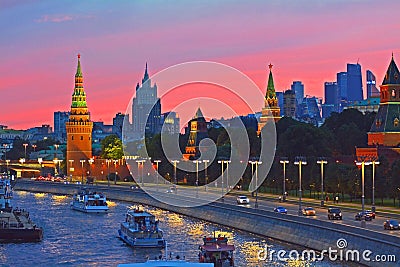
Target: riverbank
x=312 y=234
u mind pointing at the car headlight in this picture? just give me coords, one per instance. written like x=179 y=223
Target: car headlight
x=340 y=214
x=391 y=225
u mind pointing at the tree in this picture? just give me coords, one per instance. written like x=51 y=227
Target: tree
x=111 y=147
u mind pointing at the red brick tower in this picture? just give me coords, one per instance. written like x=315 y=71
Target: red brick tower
x=79 y=129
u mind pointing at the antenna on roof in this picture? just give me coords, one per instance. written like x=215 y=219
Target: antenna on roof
x=358 y=59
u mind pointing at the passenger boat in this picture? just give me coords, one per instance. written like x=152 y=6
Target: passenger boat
x=87 y=200
x=15 y=224
x=217 y=251
x=167 y=262
x=140 y=229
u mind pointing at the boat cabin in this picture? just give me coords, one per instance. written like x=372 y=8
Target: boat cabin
x=217 y=251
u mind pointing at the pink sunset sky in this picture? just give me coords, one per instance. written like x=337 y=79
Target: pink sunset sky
x=306 y=40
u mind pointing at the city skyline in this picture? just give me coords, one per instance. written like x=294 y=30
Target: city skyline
x=115 y=42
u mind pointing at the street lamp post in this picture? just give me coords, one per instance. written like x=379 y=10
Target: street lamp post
x=25 y=145
x=71 y=168
x=362 y=164
x=34 y=148
x=322 y=162
x=222 y=179
x=284 y=161
x=374 y=162
x=55 y=161
x=140 y=163
x=227 y=175
x=108 y=161
x=40 y=160
x=5 y=146
x=115 y=171
x=91 y=161
x=256 y=162
x=206 y=161
x=197 y=176
x=157 y=175
x=300 y=161
x=175 y=181
x=82 y=161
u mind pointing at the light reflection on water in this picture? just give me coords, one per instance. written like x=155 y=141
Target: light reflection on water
x=73 y=238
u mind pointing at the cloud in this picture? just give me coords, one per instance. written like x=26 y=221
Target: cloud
x=60 y=18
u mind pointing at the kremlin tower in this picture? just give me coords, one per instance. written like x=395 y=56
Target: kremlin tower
x=384 y=135
x=79 y=129
x=271 y=108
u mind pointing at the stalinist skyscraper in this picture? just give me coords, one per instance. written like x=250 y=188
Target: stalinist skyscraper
x=79 y=128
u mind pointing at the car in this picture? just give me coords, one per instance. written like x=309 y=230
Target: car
x=242 y=200
x=280 y=210
x=134 y=187
x=171 y=190
x=371 y=213
x=309 y=211
x=334 y=213
x=363 y=216
x=391 y=225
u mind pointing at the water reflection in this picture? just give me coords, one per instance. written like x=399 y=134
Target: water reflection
x=73 y=238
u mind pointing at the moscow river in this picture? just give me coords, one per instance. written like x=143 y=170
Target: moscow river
x=73 y=238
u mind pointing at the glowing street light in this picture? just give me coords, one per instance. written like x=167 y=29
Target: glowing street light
x=157 y=162
x=108 y=161
x=140 y=173
x=197 y=176
x=322 y=162
x=222 y=179
x=256 y=162
x=115 y=171
x=374 y=162
x=34 y=148
x=205 y=173
x=175 y=180
x=284 y=161
x=25 y=145
x=82 y=161
x=300 y=161
x=71 y=168
x=362 y=164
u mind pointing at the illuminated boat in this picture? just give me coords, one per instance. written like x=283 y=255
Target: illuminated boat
x=89 y=201
x=140 y=229
x=167 y=262
x=217 y=251
x=15 y=224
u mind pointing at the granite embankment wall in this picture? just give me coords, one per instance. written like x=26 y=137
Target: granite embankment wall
x=312 y=234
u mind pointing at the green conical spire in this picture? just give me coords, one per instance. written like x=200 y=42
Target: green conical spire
x=78 y=69
x=270 y=87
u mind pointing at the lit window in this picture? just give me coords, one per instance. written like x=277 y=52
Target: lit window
x=396 y=122
x=393 y=93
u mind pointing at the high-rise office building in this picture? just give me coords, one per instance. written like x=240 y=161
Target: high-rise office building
x=279 y=96
x=118 y=123
x=341 y=80
x=298 y=88
x=289 y=103
x=372 y=91
x=354 y=83
x=146 y=108
x=60 y=131
x=170 y=123
x=331 y=93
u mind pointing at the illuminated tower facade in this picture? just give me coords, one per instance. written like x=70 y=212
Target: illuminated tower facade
x=79 y=129
x=271 y=108
x=198 y=131
x=386 y=128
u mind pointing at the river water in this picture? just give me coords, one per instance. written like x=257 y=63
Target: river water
x=73 y=238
